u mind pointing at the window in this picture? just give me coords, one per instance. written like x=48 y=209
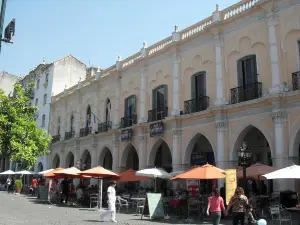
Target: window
x=198 y=85
x=72 y=123
x=58 y=126
x=247 y=71
x=88 y=116
x=45 y=99
x=36 y=102
x=47 y=78
x=107 y=110
x=38 y=84
x=130 y=106
x=43 y=120
x=160 y=97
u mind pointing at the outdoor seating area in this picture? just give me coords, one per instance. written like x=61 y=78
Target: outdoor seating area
x=183 y=196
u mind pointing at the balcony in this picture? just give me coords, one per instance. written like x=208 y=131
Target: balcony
x=55 y=138
x=69 y=135
x=85 y=131
x=196 y=105
x=157 y=114
x=296 y=80
x=246 y=93
x=104 y=127
x=128 y=121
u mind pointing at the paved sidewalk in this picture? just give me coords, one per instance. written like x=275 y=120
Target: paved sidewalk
x=17 y=209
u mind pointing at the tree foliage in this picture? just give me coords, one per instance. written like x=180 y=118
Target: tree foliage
x=20 y=139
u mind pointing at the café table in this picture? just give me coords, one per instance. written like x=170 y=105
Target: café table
x=139 y=203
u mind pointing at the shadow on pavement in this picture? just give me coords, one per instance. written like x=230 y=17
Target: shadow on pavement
x=93 y=221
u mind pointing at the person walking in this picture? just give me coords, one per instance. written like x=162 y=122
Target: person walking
x=238 y=204
x=111 y=194
x=215 y=207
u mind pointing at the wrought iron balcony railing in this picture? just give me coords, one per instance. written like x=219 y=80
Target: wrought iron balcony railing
x=69 y=135
x=246 y=93
x=157 y=114
x=196 y=105
x=85 y=131
x=296 y=80
x=104 y=127
x=56 y=138
x=128 y=121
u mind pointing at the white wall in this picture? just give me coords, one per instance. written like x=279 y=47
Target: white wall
x=7 y=82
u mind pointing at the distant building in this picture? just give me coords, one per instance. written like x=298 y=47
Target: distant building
x=7 y=82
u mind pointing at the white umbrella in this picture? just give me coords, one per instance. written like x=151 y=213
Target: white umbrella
x=25 y=172
x=45 y=171
x=291 y=172
x=8 y=172
x=154 y=173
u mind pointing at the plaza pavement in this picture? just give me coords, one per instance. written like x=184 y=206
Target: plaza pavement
x=17 y=209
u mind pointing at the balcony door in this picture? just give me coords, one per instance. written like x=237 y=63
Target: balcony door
x=160 y=98
x=130 y=106
x=198 y=85
x=88 y=117
x=247 y=71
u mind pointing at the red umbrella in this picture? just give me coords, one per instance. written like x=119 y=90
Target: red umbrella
x=129 y=176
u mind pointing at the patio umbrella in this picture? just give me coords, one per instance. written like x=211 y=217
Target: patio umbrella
x=25 y=172
x=8 y=172
x=99 y=173
x=154 y=173
x=291 y=172
x=51 y=173
x=130 y=176
x=45 y=171
x=72 y=172
x=206 y=172
x=255 y=171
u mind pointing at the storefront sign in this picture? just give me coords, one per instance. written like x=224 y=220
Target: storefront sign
x=231 y=184
x=156 y=129
x=126 y=135
x=203 y=158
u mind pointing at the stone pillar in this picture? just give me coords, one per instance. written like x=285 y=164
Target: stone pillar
x=219 y=71
x=102 y=111
x=1 y=165
x=177 y=150
x=117 y=104
x=273 y=52
x=142 y=148
x=221 y=127
x=143 y=92
x=280 y=159
x=95 y=111
x=176 y=98
x=115 y=152
x=77 y=115
x=94 y=159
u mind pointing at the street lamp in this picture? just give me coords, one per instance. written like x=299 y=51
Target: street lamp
x=245 y=156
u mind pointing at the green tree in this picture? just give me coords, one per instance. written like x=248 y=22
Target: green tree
x=20 y=139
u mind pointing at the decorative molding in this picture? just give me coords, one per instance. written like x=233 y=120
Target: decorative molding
x=142 y=138
x=279 y=116
x=221 y=125
x=177 y=132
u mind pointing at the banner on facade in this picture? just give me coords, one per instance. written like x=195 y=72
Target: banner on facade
x=231 y=184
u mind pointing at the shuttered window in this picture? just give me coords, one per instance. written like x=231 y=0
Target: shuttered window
x=130 y=106
x=247 y=70
x=198 y=85
x=160 y=97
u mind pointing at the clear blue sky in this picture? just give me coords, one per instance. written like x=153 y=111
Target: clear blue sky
x=94 y=31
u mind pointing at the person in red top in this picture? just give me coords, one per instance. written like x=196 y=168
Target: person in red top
x=33 y=185
x=215 y=207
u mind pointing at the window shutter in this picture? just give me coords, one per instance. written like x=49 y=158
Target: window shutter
x=134 y=105
x=154 y=106
x=254 y=68
x=240 y=74
x=166 y=95
x=126 y=107
x=203 y=84
x=193 y=87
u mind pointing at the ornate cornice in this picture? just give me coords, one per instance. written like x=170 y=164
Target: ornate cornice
x=221 y=125
x=279 y=116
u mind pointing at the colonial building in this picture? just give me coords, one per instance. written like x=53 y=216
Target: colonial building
x=192 y=98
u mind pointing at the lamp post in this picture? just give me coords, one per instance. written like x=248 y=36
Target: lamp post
x=245 y=156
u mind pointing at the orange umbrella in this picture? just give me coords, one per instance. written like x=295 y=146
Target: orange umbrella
x=255 y=171
x=99 y=172
x=206 y=172
x=51 y=173
x=129 y=176
x=72 y=172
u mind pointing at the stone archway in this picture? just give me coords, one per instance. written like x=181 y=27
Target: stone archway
x=70 y=160
x=85 y=161
x=130 y=158
x=56 y=161
x=161 y=156
x=40 y=167
x=106 y=159
x=199 y=151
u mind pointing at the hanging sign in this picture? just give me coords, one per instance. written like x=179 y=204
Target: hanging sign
x=231 y=184
x=153 y=206
x=126 y=135
x=156 y=129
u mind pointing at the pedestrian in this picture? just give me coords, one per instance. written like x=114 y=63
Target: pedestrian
x=33 y=185
x=65 y=189
x=238 y=204
x=8 y=183
x=215 y=207
x=111 y=194
x=249 y=218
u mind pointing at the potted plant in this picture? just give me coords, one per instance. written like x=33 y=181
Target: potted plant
x=19 y=186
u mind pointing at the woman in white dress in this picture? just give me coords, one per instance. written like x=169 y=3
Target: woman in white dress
x=111 y=194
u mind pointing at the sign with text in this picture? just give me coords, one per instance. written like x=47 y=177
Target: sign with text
x=231 y=184
x=43 y=193
x=154 y=206
x=126 y=135
x=156 y=129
